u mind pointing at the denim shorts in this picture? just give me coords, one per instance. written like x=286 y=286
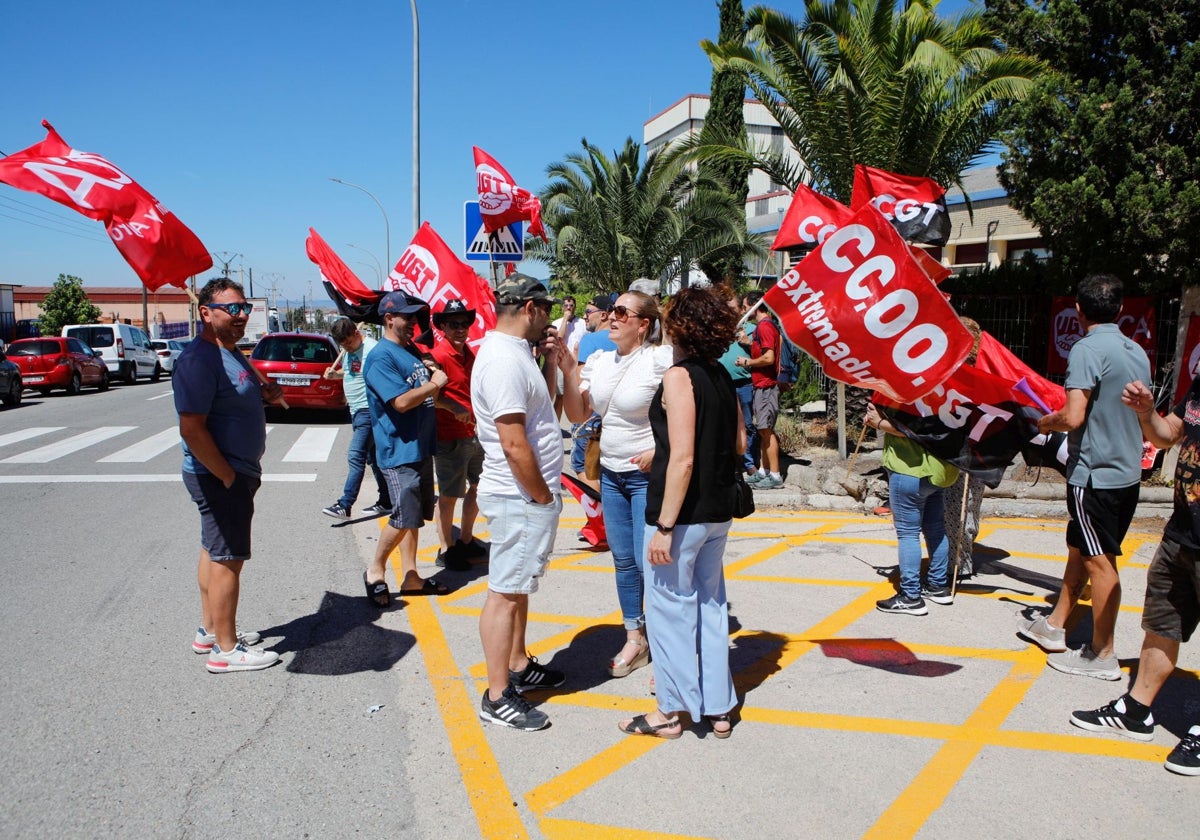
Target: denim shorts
x=411 y=489
x=522 y=536
x=458 y=463
x=225 y=513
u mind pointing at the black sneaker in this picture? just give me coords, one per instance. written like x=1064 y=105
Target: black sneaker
x=1115 y=717
x=938 y=594
x=453 y=559
x=1185 y=758
x=378 y=509
x=899 y=603
x=536 y=676
x=337 y=511
x=512 y=710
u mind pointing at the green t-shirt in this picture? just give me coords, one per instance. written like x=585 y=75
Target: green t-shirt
x=903 y=456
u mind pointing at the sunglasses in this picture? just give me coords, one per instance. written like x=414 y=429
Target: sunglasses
x=234 y=309
x=458 y=325
x=590 y=312
x=622 y=313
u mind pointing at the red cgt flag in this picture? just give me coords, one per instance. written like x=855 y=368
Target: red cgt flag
x=501 y=201
x=810 y=218
x=432 y=272
x=161 y=250
x=862 y=308
x=915 y=205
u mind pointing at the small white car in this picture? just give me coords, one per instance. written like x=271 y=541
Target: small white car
x=168 y=351
x=125 y=349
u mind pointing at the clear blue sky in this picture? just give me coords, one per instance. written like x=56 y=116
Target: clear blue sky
x=235 y=115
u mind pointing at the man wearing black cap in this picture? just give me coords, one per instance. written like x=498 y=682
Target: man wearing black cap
x=519 y=493
x=401 y=391
x=459 y=460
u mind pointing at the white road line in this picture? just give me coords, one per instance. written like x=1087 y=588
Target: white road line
x=75 y=443
x=159 y=397
x=143 y=451
x=26 y=434
x=313 y=445
x=116 y=478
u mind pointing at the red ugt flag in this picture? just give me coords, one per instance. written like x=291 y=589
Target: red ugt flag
x=862 y=308
x=810 y=218
x=501 y=201
x=161 y=250
x=432 y=272
x=915 y=205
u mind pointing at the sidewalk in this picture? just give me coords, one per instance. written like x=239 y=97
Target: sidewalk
x=854 y=722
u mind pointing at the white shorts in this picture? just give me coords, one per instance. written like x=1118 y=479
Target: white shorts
x=521 y=534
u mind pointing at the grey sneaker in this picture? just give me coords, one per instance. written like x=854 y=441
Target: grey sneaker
x=770 y=482
x=534 y=676
x=898 y=603
x=1039 y=631
x=512 y=710
x=1085 y=663
x=1115 y=716
x=938 y=594
x=1185 y=758
x=753 y=480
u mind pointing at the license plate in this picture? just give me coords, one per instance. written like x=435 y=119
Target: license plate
x=34 y=378
x=297 y=381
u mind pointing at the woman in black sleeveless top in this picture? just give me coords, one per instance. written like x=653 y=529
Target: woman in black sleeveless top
x=698 y=440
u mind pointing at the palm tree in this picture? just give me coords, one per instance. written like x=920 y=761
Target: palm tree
x=615 y=219
x=888 y=85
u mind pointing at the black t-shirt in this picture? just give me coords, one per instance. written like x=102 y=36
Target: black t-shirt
x=1184 y=525
x=710 y=493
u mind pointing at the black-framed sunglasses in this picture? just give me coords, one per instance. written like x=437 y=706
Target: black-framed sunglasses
x=458 y=325
x=234 y=309
x=622 y=313
x=589 y=312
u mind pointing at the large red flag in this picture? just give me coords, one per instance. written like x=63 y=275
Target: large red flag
x=336 y=272
x=862 y=308
x=810 y=218
x=160 y=248
x=501 y=201
x=993 y=357
x=432 y=272
x=915 y=205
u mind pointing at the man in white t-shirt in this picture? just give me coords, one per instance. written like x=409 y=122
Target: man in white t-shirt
x=570 y=328
x=519 y=492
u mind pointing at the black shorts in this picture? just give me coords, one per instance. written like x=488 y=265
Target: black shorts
x=225 y=513
x=1099 y=518
x=1172 y=607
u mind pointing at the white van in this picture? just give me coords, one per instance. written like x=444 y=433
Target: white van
x=125 y=349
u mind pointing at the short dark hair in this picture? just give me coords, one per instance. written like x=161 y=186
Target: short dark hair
x=342 y=329
x=1100 y=297
x=700 y=323
x=217 y=285
x=570 y=298
x=752 y=298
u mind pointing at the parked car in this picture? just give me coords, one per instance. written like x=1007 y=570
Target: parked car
x=10 y=380
x=125 y=349
x=297 y=361
x=168 y=351
x=55 y=362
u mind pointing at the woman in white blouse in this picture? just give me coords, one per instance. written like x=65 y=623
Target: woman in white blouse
x=619 y=386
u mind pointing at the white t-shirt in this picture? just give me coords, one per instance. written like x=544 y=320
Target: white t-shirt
x=506 y=380
x=621 y=388
x=569 y=332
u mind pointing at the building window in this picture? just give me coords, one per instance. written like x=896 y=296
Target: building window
x=761 y=206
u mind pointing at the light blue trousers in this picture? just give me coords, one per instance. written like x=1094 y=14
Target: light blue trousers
x=687 y=620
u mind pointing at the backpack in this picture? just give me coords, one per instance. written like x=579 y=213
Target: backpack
x=789 y=363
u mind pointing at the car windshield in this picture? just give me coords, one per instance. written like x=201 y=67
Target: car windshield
x=34 y=348
x=293 y=349
x=95 y=337
x=159 y=345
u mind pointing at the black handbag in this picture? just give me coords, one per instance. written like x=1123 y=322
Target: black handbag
x=743 y=499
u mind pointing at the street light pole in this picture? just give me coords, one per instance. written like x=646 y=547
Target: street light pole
x=416 y=158
x=387 y=228
x=378 y=268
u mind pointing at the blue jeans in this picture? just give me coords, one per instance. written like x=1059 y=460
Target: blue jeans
x=745 y=394
x=361 y=453
x=918 y=507
x=580 y=433
x=623 y=495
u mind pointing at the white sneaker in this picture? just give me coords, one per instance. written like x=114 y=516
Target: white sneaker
x=204 y=641
x=1044 y=635
x=241 y=658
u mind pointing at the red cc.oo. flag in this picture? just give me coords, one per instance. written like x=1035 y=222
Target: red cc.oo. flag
x=161 y=250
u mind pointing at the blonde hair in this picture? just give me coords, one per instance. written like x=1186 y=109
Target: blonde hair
x=647 y=307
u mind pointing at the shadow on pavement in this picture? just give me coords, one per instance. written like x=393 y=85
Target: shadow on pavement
x=886 y=655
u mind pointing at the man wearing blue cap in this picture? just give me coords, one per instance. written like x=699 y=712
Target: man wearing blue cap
x=401 y=390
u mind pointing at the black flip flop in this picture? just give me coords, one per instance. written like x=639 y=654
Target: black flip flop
x=428 y=587
x=377 y=593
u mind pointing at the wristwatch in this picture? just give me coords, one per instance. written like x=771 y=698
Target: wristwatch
x=663 y=529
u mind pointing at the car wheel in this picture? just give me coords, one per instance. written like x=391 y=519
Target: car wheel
x=14 y=395
x=131 y=373
x=157 y=375
x=73 y=387
x=103 y=386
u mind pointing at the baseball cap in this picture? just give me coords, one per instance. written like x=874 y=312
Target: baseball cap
x=518 y=288
x=400 y=303
x=602 y=302
x=453 y=307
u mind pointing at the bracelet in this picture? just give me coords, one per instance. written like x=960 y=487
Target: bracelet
x=663 y=529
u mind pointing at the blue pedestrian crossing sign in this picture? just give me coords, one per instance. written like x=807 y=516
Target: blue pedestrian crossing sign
x=505 y=245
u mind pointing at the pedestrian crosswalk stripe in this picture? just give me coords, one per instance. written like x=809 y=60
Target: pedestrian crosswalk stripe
x=118 y=478
x=313 y=445
x=50 y=452
x=144 y=450
x=26 y=434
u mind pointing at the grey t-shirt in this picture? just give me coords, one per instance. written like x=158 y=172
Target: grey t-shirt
x=1107 y=448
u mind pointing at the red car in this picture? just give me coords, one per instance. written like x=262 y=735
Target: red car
x=57 y=362
x=297 y=361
